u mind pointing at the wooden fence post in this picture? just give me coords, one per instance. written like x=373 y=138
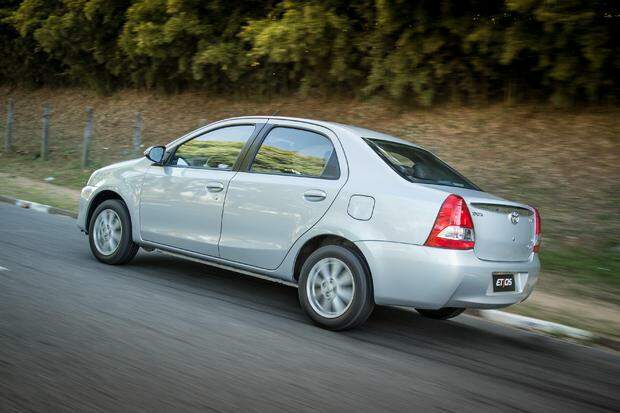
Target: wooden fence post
x=46 y=132
x=8 y=132
x=88 y=133
x=137 y=134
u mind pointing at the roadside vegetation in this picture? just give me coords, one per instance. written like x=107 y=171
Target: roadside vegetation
x=18 y=187
x=414 y=52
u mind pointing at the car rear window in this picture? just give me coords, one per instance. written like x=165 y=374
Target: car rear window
x=417 y=165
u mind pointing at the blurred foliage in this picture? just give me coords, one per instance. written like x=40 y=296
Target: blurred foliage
x=21 y=59
x=602 y=265
x=421 y=52
x=176 y=43
x=78 y=35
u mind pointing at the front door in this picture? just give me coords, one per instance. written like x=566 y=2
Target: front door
x=181 y=202
x=289 y=185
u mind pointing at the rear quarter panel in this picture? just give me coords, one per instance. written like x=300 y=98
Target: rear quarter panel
x=403 y=212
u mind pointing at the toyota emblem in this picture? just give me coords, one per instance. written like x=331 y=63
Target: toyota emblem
x=514 y=217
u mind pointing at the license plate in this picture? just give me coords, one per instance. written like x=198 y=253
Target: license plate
x=503 y=282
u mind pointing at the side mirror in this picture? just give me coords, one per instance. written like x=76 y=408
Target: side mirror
x=155 y=153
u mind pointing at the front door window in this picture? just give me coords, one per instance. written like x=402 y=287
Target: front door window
x=217 y=149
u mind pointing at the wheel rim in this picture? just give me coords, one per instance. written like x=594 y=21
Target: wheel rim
x=330 y=287
x=107 y=232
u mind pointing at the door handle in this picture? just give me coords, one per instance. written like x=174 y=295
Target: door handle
x=314 y=195
x=215 y=187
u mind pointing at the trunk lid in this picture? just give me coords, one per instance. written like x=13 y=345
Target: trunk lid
x=504 y=230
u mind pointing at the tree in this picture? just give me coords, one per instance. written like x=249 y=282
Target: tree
x=420 y=52
x=303 y=44
x=566 y=48
x=22 y=62
x=175 y=43
x=80 y=34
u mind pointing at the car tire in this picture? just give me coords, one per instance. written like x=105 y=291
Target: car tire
x=109 y=233
x=335 y=288
x=441 y=314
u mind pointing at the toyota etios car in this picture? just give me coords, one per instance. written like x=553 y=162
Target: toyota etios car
x=352 y=216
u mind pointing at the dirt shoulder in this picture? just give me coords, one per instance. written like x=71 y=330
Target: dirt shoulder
x=589 y=314
x=37 y=191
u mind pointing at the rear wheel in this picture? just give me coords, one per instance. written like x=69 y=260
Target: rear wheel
x=335 y=288
x=441 y=314
x=109 y=233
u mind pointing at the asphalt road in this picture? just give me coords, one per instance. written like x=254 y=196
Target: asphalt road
x=167 y=334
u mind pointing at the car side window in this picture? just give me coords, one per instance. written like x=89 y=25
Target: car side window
x=217 y=149
x=291 y=151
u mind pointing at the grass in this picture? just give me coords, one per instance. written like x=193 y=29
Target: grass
x=43 y=194
x=600 y=267
x=569 y=317
x=66 y=171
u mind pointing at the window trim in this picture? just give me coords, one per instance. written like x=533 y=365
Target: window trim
x=253 y=152
x=376 y=149
x=257 y=128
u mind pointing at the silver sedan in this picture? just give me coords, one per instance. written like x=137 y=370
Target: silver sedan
x=351 y=216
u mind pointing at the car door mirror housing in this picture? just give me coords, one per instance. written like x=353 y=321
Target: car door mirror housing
x=156 y=154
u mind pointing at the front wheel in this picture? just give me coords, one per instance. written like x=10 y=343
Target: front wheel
x=335 y=288
x=109 y=233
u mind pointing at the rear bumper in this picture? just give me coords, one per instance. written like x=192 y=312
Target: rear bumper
x=431 y=278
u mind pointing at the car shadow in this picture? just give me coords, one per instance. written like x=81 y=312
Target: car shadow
x=386 y=326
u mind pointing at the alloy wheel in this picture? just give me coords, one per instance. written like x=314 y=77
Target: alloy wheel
x=330 y=287
x=108 y=232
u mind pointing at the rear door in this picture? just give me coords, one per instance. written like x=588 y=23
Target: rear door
x=291 y=177
x=181 y=202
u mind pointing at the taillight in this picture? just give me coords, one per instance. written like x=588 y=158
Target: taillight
x=453 y=228
x=537 y=231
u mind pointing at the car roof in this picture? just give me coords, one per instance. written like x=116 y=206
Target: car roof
x=355 y=130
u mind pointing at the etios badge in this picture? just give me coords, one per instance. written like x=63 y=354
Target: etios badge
x=514 y=217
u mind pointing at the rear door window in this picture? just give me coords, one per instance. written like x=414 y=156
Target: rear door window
x=417 y=165
x=290 y=151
